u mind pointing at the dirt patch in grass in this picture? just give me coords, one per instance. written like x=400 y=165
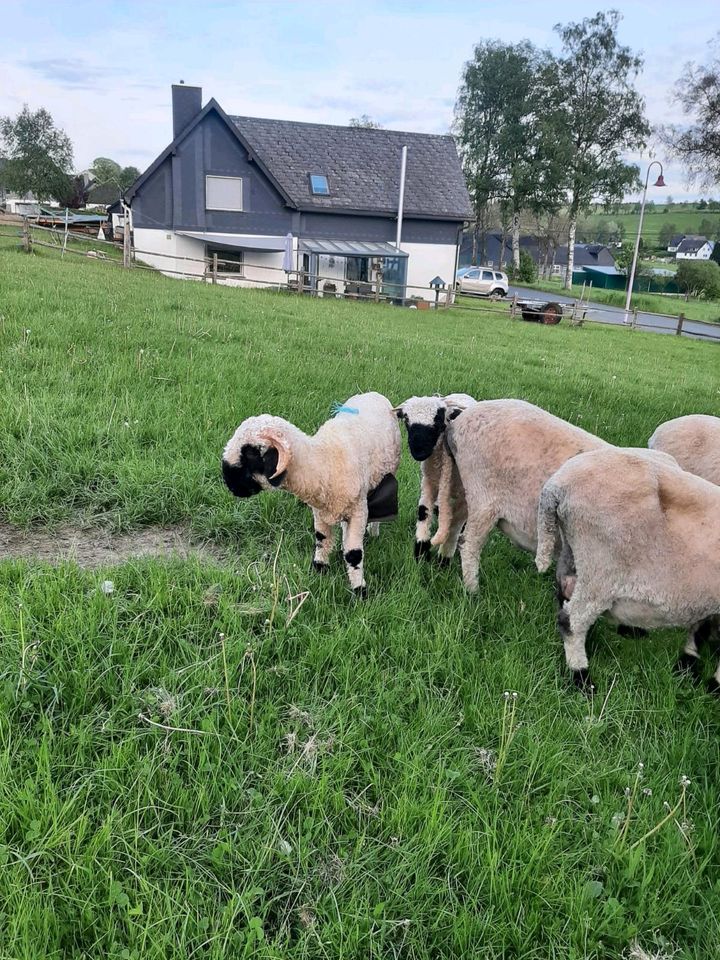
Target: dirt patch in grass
x=92 y=547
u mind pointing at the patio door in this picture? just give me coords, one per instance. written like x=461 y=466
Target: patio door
x=394 y=277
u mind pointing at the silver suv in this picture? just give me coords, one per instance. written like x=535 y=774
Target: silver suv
x=484 y=282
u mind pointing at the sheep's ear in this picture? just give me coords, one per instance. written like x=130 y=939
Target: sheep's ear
x=454 y=410
x=398 y=411
x=280 y=444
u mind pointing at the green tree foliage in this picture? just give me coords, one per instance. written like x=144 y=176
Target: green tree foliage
x=623 y=257
x=697 y=143
x=38 y=156
x=667 y=232
x=715 y=255
x=505 y=141
x=699 y=278
x=128 y=176
x=708 y=227
x=601 y=115
x=526 y=272
x=105 y=170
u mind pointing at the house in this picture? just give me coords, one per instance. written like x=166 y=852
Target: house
x=587 y=255
x=266 y=194
x=694 y=248
x=675 y=242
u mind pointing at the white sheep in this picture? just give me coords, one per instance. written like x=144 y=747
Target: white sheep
x=644 y=539
x=694 y=441
x=345 y=473
x=504 y=451
x=426 y=419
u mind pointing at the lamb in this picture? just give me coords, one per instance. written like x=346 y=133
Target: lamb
x=345 y=473
x=425 y=419
x=504 y=451
x=694 y=441
x=643 y=536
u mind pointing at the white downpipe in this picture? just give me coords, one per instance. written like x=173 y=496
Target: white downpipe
x=401 y=197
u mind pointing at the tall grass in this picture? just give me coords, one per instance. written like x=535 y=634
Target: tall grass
x=349 y=780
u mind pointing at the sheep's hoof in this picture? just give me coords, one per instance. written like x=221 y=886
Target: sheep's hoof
x=320 y=567
x=689 y=666
x=582 y=681
x=713 y=687
x=623 y=630
x=422 y=549
x=443 y=561
x=361 y=593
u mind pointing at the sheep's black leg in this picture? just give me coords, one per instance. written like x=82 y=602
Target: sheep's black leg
x=324 y=543
x=353 y=533
x=689 y=662
x=423 y=527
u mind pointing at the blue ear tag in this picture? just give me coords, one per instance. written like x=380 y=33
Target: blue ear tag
x=340 y=408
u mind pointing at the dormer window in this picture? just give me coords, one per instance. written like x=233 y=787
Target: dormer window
x=319 y=185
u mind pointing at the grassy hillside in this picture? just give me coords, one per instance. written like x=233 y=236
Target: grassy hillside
x=190 y=768
x=685 y=218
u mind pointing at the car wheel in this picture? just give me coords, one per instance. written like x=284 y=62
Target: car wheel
x=497 y=294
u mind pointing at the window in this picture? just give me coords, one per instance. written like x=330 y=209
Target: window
x=487 y=275
x=230 y=261
x=473 y=274
x=319 y=185
x=223 y=193
x=499 y=276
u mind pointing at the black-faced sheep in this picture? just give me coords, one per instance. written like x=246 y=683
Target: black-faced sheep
x=504 y=451
x=425 y=419
x=345 y=473
x=644 y=538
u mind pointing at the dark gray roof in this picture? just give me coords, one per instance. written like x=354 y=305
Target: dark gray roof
x=362 y=166
x=692 y=244
x=586 y=255
x=676 y=239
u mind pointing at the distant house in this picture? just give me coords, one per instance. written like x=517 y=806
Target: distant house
x=320 y=199
x=587 y=255
x=103 y=194
x=694 y=248
x=675 y=242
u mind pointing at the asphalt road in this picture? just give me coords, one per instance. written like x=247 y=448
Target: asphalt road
x=651 y=322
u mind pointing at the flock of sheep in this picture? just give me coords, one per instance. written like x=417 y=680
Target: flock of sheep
x=634 y=533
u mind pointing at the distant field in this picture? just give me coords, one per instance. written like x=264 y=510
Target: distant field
x=685 y=218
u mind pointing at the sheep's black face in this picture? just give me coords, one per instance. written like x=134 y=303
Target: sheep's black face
x=422 y=437
x=241 y=477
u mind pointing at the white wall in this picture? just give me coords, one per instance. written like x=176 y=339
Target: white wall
x=165 y=251
x=702 y=254
x=426 y=261
x=175 y=254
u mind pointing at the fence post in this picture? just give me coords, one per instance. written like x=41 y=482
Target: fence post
x=301 y=282
x=126 y=234
x=681 y=320
x=513 y=306
x=27 y=238
x=449 y=296
x=214 y=268
x=633 y=323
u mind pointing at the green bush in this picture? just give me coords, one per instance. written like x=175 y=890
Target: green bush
x=699 y=278
x=526 y=272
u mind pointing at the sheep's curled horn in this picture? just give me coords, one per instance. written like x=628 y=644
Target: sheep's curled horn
x=280 y=444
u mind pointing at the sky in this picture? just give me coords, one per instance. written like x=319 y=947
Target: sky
x=104 y=68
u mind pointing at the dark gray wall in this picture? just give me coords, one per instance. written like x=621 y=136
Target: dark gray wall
x=173 y=198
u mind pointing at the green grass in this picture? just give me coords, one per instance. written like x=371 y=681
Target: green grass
x=685 y=217
x=327 y=790
x=693 y=309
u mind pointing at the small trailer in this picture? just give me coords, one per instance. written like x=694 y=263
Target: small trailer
x=542 y=311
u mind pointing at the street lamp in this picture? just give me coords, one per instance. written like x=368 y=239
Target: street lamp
x=658 y=183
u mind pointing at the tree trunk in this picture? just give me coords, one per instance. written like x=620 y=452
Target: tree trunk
x=503 y=242
x=474 y=252
x=545 y=260
x=516 y=240
x=572 y=227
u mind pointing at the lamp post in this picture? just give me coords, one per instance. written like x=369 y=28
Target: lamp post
x=658 y=183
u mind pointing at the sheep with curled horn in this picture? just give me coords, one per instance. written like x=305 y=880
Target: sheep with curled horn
x=345 y=472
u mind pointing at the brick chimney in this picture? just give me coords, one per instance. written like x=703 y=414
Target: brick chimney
x=186 y=104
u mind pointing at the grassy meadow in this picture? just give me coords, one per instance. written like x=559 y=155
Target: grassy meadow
x=231 y=757
x=686 y=217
